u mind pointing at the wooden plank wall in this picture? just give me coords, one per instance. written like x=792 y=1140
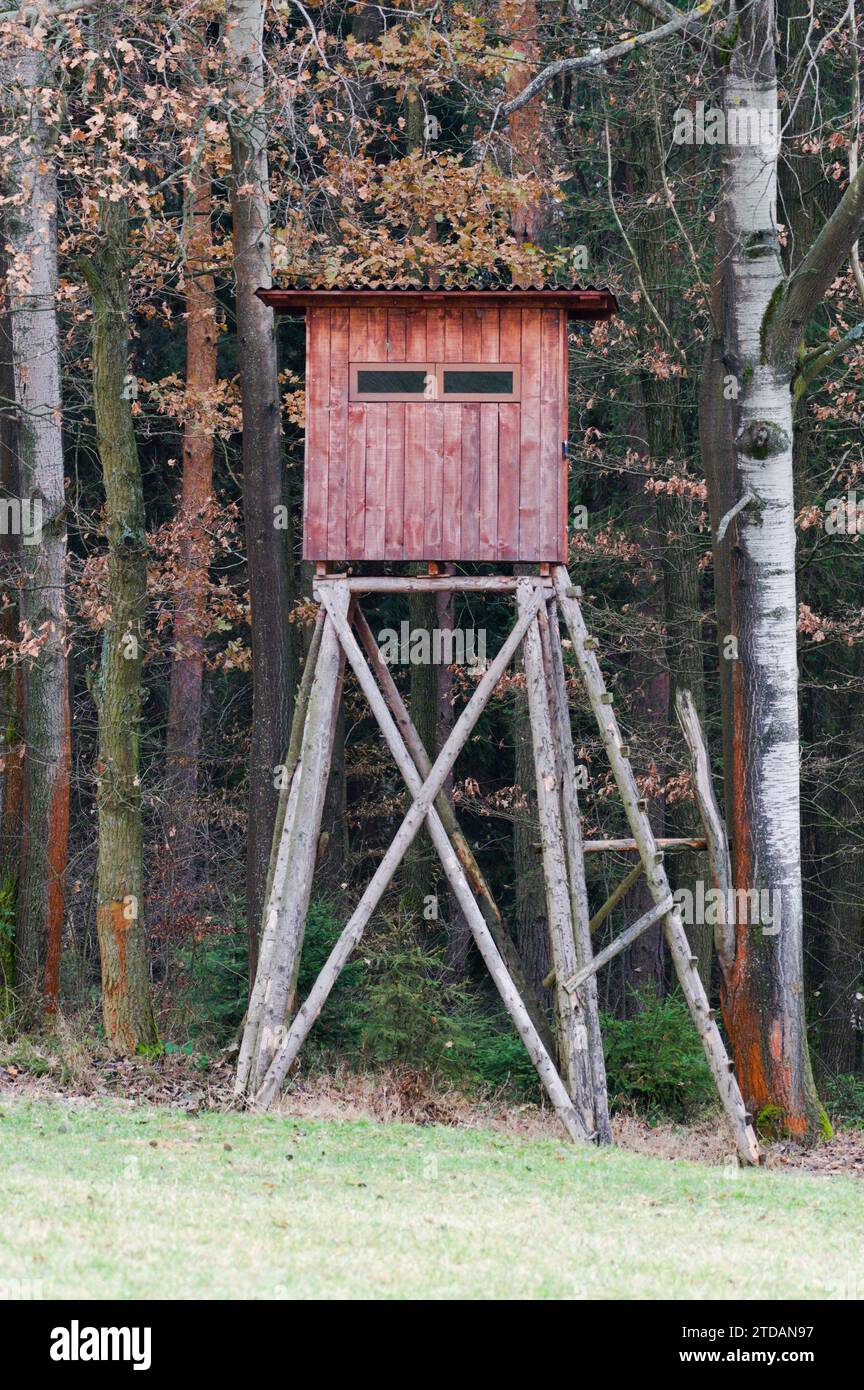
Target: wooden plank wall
x=436 y=481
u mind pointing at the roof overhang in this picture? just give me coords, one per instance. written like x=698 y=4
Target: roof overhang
x=588 y=304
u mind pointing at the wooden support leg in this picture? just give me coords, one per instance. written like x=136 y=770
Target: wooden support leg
x=473 y=872
x=573 y=1055
x=294 y=869
x=655 y=874
x=425 y=794
x=587 y=1000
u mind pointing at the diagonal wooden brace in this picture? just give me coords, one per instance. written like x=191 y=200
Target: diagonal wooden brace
x=621 y=942
x=473 y=872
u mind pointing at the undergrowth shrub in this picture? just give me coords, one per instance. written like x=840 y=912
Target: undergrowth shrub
x=8 y=915
x=395 y=1004
x=213 y=997
x=844 y=1099
x=655 y=1061
x=413 y=1015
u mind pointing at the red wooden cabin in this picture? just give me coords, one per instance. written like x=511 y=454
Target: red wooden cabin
x=436 y=421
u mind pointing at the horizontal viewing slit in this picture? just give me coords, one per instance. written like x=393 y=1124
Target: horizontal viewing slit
x=434 y=381
x=479 y=383
x=413 y=383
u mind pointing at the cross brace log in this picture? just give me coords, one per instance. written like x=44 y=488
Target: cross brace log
x=425 y=583
x=602 y=913
x=621 y=942
x=473 y=872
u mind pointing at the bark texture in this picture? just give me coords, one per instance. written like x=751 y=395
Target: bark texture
x=187 y=671
x=267 y=555
x=126 y=1009
x=32 y=233
x=747 y=448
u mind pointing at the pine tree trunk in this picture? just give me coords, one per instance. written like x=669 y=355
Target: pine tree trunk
x=187 y=671
x=126 y=1009
x=746 y=423
x=32 y=233
x=267 y=554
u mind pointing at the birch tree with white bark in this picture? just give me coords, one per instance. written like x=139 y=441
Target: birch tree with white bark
x=31 y=233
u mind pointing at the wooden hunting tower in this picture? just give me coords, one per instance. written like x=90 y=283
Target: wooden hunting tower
x=436 y=421
x=436 y=430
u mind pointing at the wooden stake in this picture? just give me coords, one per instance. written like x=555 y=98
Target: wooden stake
x=295 y=865
x=249 y=1040
x=573 y=1055
x=586 y=999
x=655 y=874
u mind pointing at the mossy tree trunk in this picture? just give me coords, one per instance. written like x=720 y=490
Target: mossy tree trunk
x=126 y=1008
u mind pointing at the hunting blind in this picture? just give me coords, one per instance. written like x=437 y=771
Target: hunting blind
x=436 y=431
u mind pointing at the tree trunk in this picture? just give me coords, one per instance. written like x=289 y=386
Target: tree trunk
x=664 y=401
x=267 y=554
x=187 y=671
x=126 y=1010
x=746 y=423
x=32 y=232
x=11 y=684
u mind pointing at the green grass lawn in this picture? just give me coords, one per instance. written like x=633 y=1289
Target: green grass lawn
x=102 y=1200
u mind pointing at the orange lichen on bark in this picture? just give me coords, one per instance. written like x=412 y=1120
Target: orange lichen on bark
x=58 y=858
x=113 y=925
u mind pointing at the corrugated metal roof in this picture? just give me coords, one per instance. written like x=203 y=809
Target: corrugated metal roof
x=584 y=301
x=489 y=280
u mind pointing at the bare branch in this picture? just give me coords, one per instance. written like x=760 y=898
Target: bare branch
x=663 y=11
x=787 y=318
x=36 y=11
x=600 y=57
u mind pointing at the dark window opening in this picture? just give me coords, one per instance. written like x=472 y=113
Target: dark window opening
x=480 y=383
x=389 y=382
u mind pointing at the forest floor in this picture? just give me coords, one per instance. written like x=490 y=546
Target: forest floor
x=102 y=1197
